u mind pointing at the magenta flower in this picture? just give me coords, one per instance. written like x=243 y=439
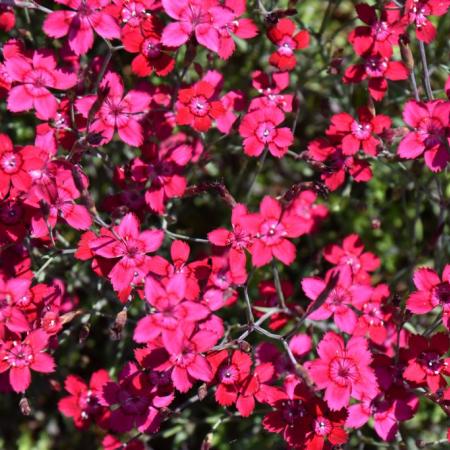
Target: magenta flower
x=339 y=302
x=203 y=18
x=343 y=370
x=432 y=291
x=259 y=129
x=78 y=24
x=130 y=247
x=117 y=112
x=33 y=78
x=430 y=134
x=271 y=229
x=20 y=357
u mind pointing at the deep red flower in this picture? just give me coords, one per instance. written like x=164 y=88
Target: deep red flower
x=377 y=69
x=426 y=362
x=83 y=403
x=381 y=34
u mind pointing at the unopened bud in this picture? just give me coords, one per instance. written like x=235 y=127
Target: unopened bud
x=245 y=346
x=405 y=51
x=116 y=330
x=202 y=392
x=84 y=333
x=24 y=406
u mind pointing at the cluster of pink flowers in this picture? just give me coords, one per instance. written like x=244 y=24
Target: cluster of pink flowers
x=366 y=367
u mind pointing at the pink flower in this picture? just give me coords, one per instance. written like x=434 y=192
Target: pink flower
x=237 y=240
x=432 y=291
x=340 y=300
x=351 y=254
x=20 y=357
x=242 y=28
x=78 y=24
x=11 y=316
x=271 y=228
x=270 y=87
x=117 y=111
x=363 y=133
x=83 y=403
x=343 y=370
x=310 y=213
x=171 y=309
x=426 y=362
x=285 y=37
x=259 y=130
x=185 y=348
x=33 y=77
x=130 y=247
x=430 y=134
x=203 y=18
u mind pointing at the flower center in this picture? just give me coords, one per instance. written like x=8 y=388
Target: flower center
x=199 y=106
x=10 y=162
x=265 y=132
x=322 y=426
x=152 y=48
x=376 y=66
x=441 y=293
x=361 y=131
x=343 y=371
x=20 y=355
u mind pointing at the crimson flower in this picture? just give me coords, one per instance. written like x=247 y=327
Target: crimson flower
x=130 y=246
x=379 y=35
x=152 y=55
x=377 y=69
x=430 y=133
x=418 y=11
x=78 y=24
x=426 y=362
x=343 y=370
x=20 y=357
x=259 y=130
x=287 y=40
x=432 y=291
x=33 y=78
x=16 y=163
x=335 y=164
x=196 y=106
x=83 y=403
x=362 y=133
x=270 y=88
